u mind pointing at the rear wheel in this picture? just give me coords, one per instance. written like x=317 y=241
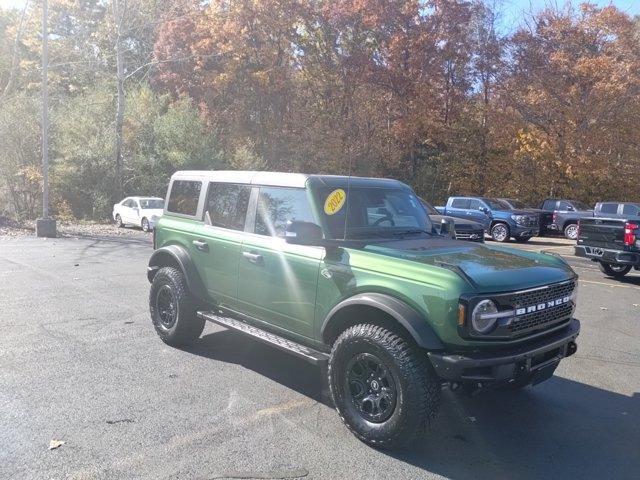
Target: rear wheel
x=384 y=389
x=614 y=269
x=571 y=231
x=173 y=309
x=500 y=232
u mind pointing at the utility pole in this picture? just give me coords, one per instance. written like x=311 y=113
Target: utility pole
x=45 y=226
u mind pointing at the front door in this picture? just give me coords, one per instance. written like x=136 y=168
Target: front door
x=277 y=280
x=216 y=243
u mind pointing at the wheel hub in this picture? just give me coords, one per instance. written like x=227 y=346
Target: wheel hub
x=370 y=387
x=166 y=306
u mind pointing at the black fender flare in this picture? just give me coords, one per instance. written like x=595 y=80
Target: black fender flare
x=177 y=255
x=408 y=317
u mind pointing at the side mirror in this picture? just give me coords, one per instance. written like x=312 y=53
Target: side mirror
x=483 y=209
x=303 y=233
x=570 y=209
x=448 y=228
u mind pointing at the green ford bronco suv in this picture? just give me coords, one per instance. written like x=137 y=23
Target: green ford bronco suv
x=349 y=273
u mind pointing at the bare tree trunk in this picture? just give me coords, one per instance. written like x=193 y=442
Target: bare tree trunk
x=119 y=10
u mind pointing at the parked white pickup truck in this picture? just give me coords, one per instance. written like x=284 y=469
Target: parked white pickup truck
x=142 y=212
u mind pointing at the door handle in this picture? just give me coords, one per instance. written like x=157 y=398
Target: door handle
x=253 y=257
x=200 y=245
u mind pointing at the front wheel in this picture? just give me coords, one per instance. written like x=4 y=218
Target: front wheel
x=145 y=225
x=571 y=231
x=500 y=232
x=173 y=309
x=119 y=223
x=382 y=386
x=614 y=269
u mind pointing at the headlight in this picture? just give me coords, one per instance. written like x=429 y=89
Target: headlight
x=484 y=316
x=519 y=219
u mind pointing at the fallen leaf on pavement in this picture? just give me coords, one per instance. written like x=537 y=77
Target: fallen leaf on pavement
x=53 y=444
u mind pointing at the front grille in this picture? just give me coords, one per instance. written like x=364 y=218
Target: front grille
x=546 y=317
x=539 y=320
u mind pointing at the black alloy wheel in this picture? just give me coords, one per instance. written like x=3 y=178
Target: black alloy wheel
x=166 y=306
x=370 y=387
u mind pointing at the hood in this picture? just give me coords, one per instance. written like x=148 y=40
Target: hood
x=458 y=222
x=521 y=212
x=491 y=269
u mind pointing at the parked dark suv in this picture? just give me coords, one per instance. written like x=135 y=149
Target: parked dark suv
x=565 y=216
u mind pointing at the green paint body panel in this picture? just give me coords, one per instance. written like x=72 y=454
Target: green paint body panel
x=294 y=287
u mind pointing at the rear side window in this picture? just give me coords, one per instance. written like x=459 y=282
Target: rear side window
x=276 y=206
x=630 y=210
x=460 y=203
x=226 y=205
x=184 y=197
x=609 y=208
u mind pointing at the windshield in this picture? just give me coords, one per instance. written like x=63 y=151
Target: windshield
x=370 y=212
x=580 y=206
x=151 y=203
x=429 y=208
x=495 y=204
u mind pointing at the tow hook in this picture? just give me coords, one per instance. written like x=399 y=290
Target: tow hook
x=572 y=347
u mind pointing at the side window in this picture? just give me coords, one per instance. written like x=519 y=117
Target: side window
x=184 y=197
x=549 y=205
x=227 y=205
x=564 y=206
x=609 y=208
x=276 y=206
x=475 y=204
x=126 y=203
x=630 y=210
x=460 y=203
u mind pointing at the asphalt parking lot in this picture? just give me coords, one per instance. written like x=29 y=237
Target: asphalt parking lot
x=80 y=363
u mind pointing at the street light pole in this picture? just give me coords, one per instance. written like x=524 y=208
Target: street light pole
x=45 y=226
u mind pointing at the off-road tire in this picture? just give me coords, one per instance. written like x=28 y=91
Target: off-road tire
x=496 y=232
x=119 y=223
x=417 y=386
x=571 y=231
x=144 y=224
x=611 y=271
x=187 y=326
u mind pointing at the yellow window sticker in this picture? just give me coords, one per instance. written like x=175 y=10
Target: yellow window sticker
x=335 y=201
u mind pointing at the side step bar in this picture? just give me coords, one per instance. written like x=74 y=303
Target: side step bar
x=309 y=354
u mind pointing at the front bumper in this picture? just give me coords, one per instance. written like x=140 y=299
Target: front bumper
x=619 y=257
x=536 y=359
x=522 y=231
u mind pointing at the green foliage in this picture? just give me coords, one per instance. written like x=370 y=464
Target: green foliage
x=160 y=137
x=20 y=154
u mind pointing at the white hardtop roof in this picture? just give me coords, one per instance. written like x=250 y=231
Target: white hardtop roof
x=276 y=179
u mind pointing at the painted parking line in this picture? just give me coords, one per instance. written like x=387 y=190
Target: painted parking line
x=614 y=285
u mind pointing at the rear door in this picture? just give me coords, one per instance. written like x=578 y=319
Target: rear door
x=277 y=280
x=458 y=207
x=608 y=210
x=216 y=242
